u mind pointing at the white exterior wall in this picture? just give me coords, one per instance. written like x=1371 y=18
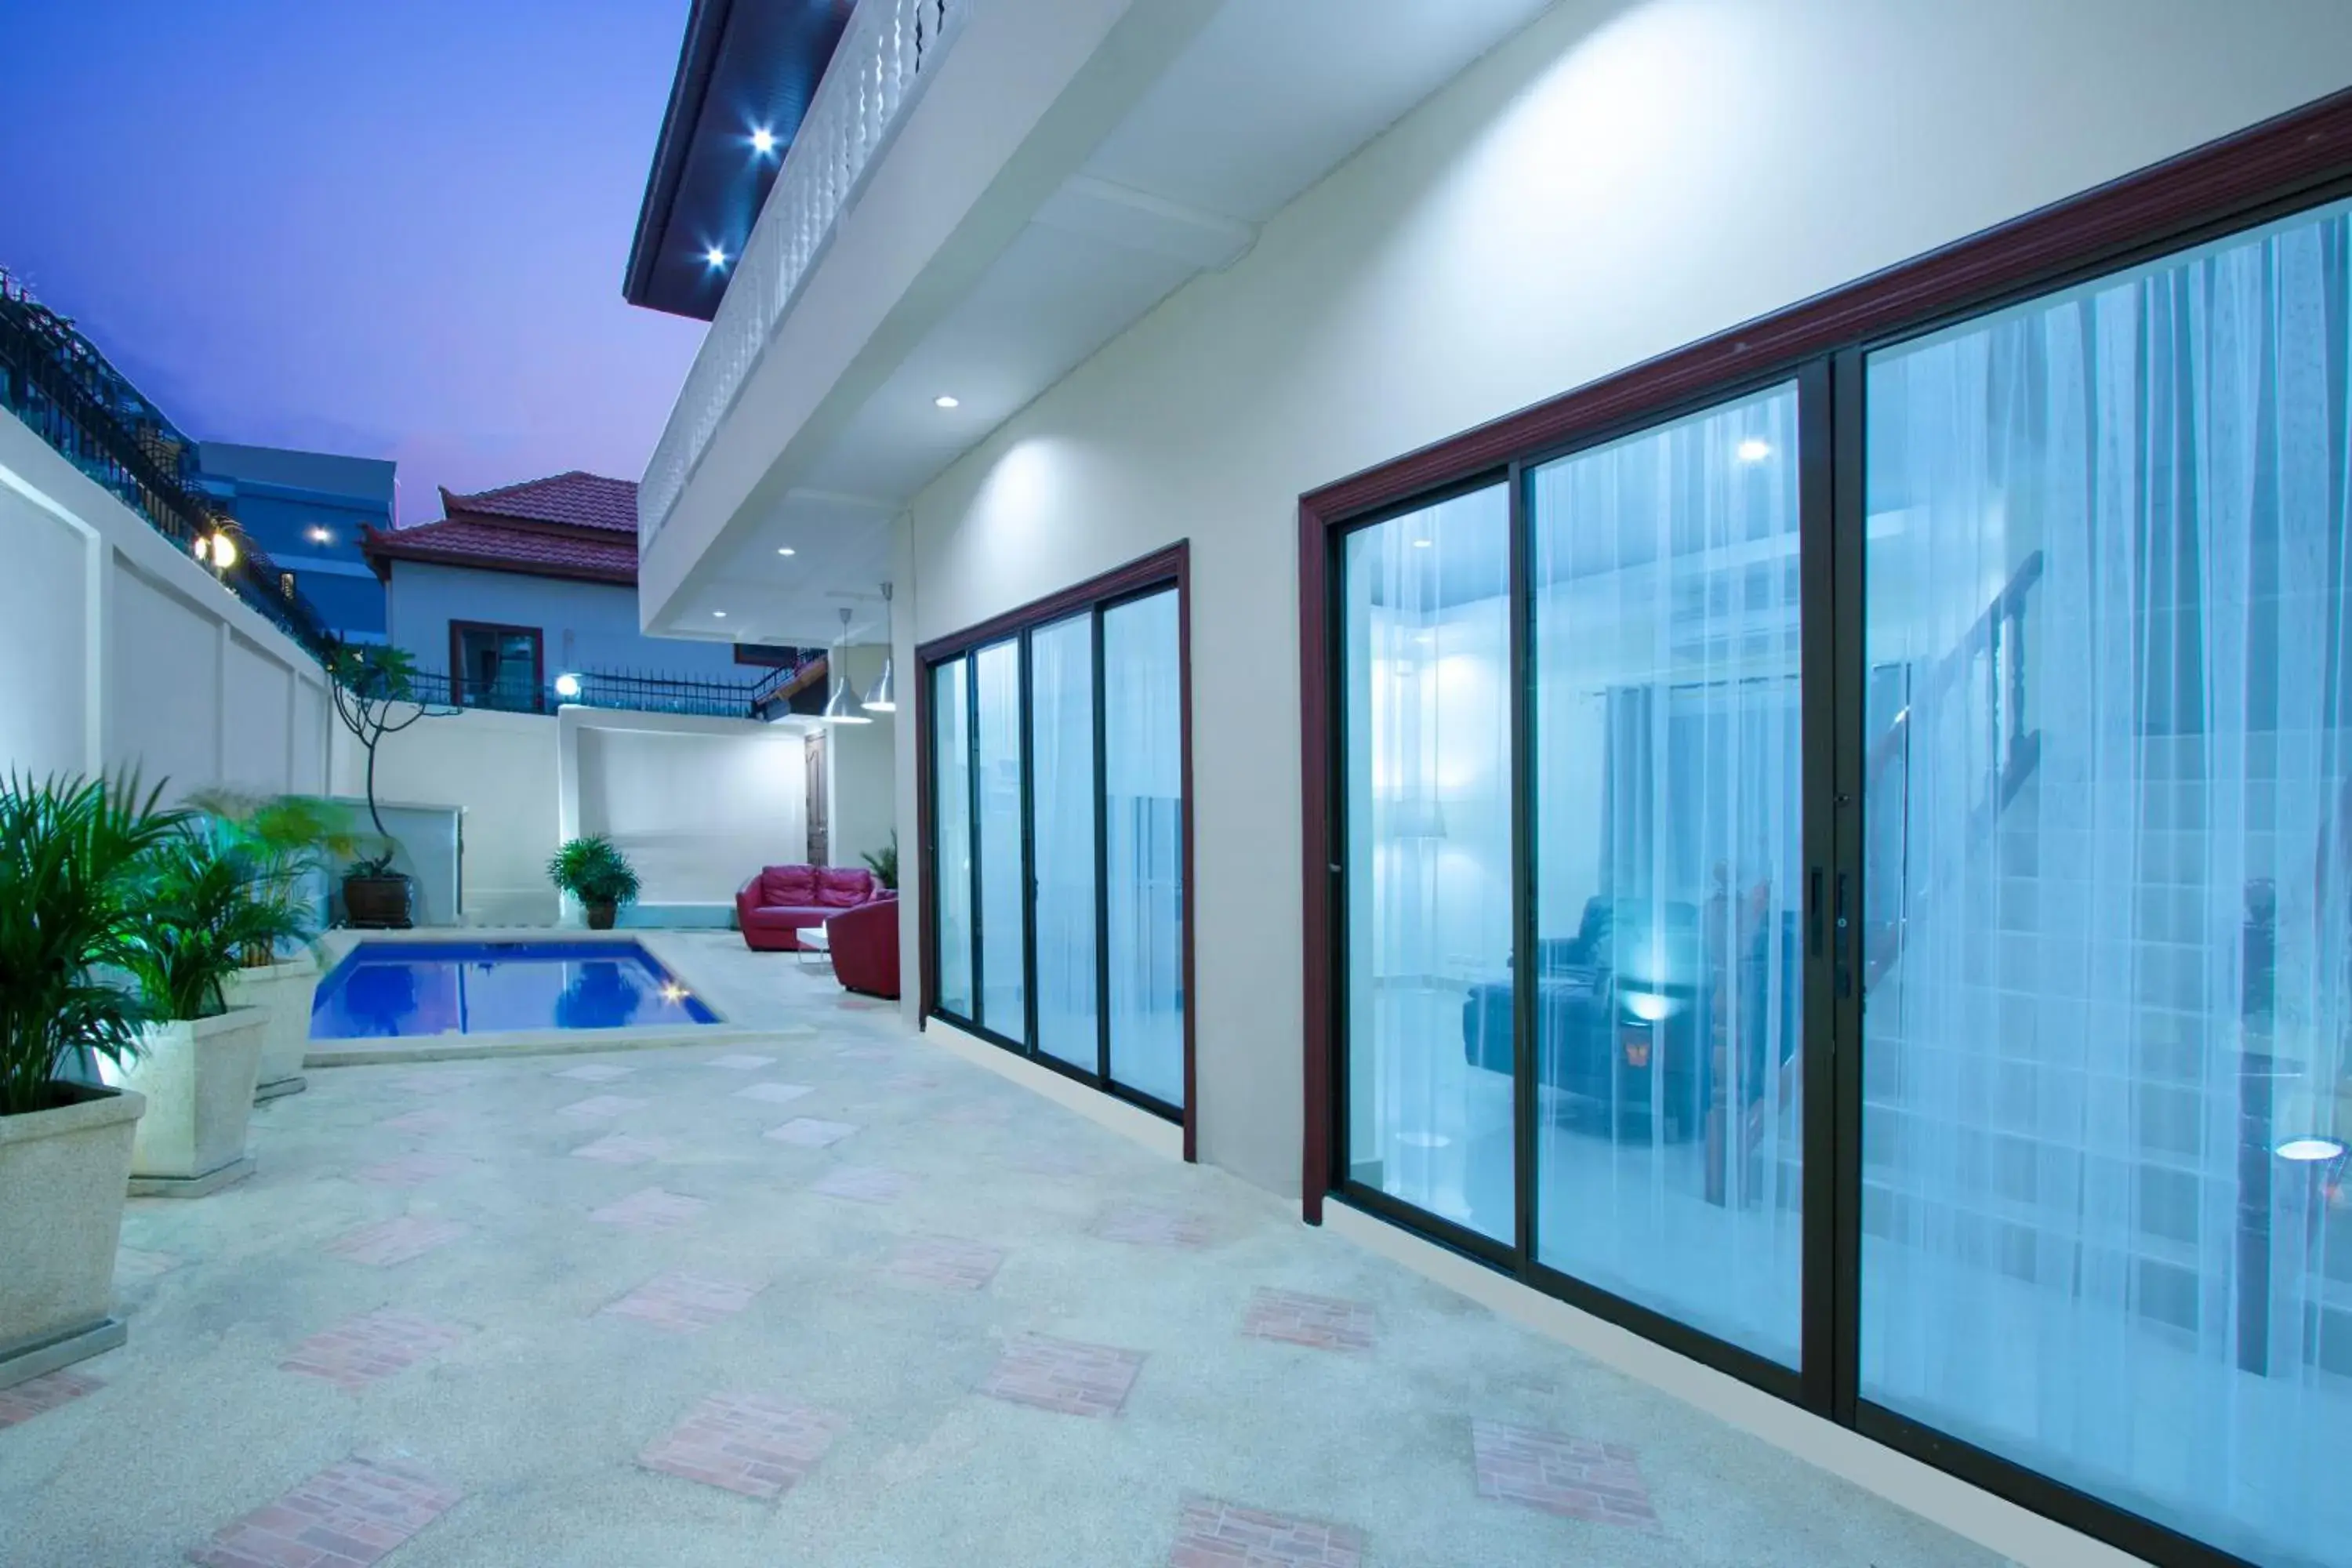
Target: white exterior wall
x=1618 y=180
x=124 y=652
x=582 y=625
x=861 y=761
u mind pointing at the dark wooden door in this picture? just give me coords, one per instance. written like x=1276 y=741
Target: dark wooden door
x=820 y=831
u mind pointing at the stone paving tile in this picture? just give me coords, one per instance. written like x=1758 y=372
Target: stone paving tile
x=910 y=1082
x=1320 y=1322
x=684 y=1303
x=976 y=1116
x=865 y=1183
x=360 y=1350
x=810 y=1132
x=347 y=1516
x=394 y=1241
x=746 y=1443
x=1213 y=1533
x=131 y=1263
x=599 y=1106
x=1572 y=1477
x=740 y=1063
x=1046 y=1160
x=412 y=1170
x=943 y=1260
x=595 y=1073
x=438 y=1082
x=424 y=1122
x=621 y=1149
x=35 y=1395
x=774 y=1093
x=1062 y=1375
x=868 y=1054
x=1140 y=1225
x=651 y=1209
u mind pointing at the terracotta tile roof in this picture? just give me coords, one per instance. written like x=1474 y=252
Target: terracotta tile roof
x=576 y=499
x=575 y=552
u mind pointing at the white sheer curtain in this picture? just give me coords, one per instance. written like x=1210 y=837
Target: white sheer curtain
x=1144 y=818
x=951 y=820
x=1003 y=894
x=2111 y=889
x=1062 y=756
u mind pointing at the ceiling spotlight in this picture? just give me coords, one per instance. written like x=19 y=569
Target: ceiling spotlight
x=715 y=257
x=718 y=614
x=785 y=550
x=763 y=141
x=1753 y=450
x=944 y=401
x=567 y=685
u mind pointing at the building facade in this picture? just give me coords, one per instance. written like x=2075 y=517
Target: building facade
x=1644 y=643
x=311 y=511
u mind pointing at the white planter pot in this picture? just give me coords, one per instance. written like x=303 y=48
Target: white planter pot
x=61 y=1183
x=284 y=990
x=198 y=1080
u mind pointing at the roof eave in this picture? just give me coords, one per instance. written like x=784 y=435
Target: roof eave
x=706 y=29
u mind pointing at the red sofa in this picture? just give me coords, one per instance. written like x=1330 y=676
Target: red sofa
x=774 y=907
x=865 y=947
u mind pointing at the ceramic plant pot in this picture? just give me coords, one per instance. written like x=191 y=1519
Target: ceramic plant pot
x=380 y=903
x=601 y=916
x=61 y=1184
x=284 y=990
x=198 y=1080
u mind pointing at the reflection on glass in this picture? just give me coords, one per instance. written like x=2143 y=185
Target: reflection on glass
x=1428 y=918
x=1668 y=837
x=1062 y=756
x=1004 y=898
x=1144 y=817
x=2108 y=962
x=951 y=815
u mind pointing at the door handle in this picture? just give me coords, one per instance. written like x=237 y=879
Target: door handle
x=1845 y=925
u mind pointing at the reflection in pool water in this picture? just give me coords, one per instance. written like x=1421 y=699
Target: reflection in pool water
x=480 y=987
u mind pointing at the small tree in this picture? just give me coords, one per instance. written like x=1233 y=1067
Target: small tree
x=375 y=695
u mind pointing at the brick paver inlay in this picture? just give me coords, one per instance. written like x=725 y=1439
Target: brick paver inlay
x=942 y=1260
x=412 y=1170
x=1141 y=1227
x=684 y=1303
x=740 y=1063
x=746 y=1443
x=1320 y=1322
x=1214 y=1534
x=595 y=1073
x=395 y=1240
x=774 y=1093
x=347 y=1516
x=651 y=1209
x=810 y=1132
x=621 y=1149
x=863 y=1184
x=599 y=1106
x=359 y=1351
x=34 y=1395
x=1568 y=1476
x=1062 y=1375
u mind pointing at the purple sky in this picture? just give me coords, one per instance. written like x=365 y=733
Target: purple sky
x=388 y=230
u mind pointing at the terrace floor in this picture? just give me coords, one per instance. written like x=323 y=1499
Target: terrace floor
x=832 y=1297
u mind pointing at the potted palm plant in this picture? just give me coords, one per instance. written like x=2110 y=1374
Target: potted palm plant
x=69 y=851
x=203 y=906
x=292 y=839
x=594 y=870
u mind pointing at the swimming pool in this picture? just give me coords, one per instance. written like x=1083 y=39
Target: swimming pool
x=404 y=988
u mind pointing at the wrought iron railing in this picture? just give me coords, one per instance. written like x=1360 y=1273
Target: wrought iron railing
x=631 y=691
x=57 y=381
x=885 y=52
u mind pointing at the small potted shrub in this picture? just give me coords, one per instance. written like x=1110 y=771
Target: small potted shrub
x=69 y=853
x=291 y=837
x=376 y=896
x=594 y=870
x=202 y=905
x=883 y=863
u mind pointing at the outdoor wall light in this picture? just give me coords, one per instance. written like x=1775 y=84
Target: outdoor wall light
x=715 y=257
x=2311 y=1150
x=567 y=685
x=763 y=141
x=218 y=548
x=944 y=401
x=1754 y=451
x=319 y=535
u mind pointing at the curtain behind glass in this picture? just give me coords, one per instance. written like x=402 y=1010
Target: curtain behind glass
x=951 y=813
x=2105 y=1233
x=1003 y=896
x=1668 y=846
x=1061 y=757
x=1144 y=818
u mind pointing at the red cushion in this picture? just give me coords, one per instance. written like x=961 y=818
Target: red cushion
x=844 y=887
x=788 y=885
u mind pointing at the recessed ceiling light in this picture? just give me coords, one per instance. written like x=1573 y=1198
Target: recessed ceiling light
x=718 y=614
x=763 y=141
x=1753 y=450
x=715 y=257
x=784 y=549
x=943 y=401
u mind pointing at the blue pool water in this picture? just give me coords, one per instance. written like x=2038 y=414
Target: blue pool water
x=486 y=987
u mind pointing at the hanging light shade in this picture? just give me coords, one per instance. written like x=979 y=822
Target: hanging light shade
x=882 y=697
x=840 y=707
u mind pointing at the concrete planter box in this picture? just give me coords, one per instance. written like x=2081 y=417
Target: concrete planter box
x=61 y=1184
x=283 y=990
x=198 y=1080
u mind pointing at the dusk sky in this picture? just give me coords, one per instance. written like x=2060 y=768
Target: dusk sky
x=388 y=230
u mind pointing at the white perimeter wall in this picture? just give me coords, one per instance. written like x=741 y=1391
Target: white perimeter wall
x=122 y=651
x=1618 y=180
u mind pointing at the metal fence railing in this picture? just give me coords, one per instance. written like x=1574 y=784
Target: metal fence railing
x=635 y=691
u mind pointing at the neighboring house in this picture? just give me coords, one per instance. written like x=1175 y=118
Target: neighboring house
x=309 y=510
x=521 y=585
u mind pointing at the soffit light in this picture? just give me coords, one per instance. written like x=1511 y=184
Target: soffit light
x=840 y=707
x=763 y=141
x=882 y=697
x=715 y=257
x=944 y=401
x=1753 y=450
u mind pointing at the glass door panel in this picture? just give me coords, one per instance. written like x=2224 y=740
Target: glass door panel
x=952 y=839
x=1061 y=757
x=1143 y=789
x=1003 y=875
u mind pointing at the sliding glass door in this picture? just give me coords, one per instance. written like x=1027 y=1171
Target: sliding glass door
x=1064 y=935
x=1852 y=877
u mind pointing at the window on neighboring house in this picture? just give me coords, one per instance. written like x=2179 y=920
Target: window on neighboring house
x=285 y=583
x=494 y=667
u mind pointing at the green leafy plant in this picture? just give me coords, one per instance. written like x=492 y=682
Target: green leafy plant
x=202 y=905
x=884 y=862
x=71 y=850
x=594 y=870
x=290 y=838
